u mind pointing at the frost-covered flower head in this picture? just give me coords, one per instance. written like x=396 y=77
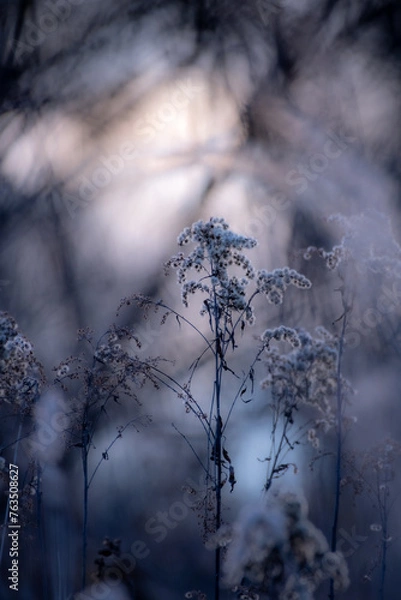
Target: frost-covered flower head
x=305 y=375
x=274 y=284
x=20 y=373
x=217 y=251
x=276 y=549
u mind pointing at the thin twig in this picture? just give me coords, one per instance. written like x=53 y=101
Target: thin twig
x=192 y=448
x=339 y=445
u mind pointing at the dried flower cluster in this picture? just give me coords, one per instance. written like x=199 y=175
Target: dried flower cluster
x=274 y=284
x=277 y=550
x=367 y=240
x=306 y=375
x=332 y=257
x=109 y=373
x=217 y=249
x=282 y=333
x=21 y=375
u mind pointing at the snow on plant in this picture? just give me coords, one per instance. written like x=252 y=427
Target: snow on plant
x=276 y=550
x=218 y=248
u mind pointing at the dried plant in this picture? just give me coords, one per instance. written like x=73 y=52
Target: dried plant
x=373 y=473
x=21 y=374
x=365 y=253
x=106 y=373
x=229 y=284
x=304 y=377
x=379 y=465
x=273 y=550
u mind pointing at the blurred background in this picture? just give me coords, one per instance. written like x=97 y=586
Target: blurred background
x=120 y=124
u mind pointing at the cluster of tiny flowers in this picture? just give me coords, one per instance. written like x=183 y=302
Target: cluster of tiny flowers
x=281 y=553
x=117 y=364
x=368 y=238
x=20 y=374
x=307 y=374
x=282 y=333
x=274 y=284
x=217 y=248
x=332 y=258
x=190 y=287
x=109 y=353
x=108 y=374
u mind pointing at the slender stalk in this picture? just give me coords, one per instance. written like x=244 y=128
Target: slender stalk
x=339 y=447
x=249 y=375
x=217 y=448
x=184 y=437
x=277 y=455
x=384 y=523
x=383 y=564
x=85 y=452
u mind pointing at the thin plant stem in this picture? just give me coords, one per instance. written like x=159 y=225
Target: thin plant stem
x=277 y=455
x=217 y=458
x=384 y=522
x=85 y=452
x=250 y=375
x=192 y=448
x=218 y=363
x=161 y=375
x=339 y=446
